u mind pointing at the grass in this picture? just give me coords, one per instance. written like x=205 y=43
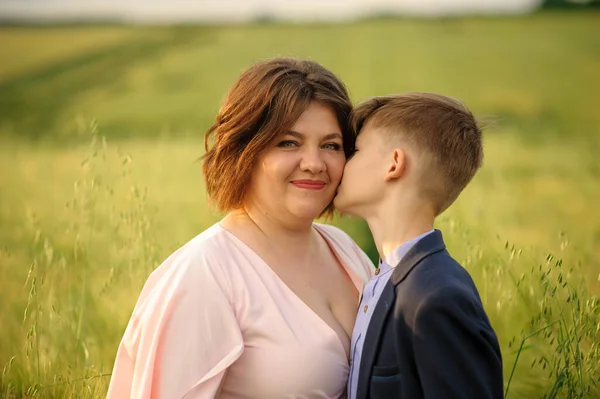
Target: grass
x=98 y=143
x=168 y=82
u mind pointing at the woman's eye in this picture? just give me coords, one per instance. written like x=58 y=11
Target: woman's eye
x=332 y=146
x=287 y=144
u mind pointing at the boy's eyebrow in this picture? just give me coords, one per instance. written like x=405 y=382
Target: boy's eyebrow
x=327 y=137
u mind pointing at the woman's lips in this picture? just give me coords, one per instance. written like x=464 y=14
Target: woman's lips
x=309 y=184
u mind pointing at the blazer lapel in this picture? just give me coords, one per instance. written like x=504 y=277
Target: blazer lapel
x=372 y=338
x=428 y=245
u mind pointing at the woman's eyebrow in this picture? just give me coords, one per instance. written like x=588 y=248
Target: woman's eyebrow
x=295 y=134
x=333 y=136
x=327 y=137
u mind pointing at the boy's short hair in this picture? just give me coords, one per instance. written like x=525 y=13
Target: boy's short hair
x=443 y=133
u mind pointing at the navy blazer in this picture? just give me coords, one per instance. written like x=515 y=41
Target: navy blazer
x=429 y=336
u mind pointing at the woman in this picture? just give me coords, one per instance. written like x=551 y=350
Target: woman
x=262 y=304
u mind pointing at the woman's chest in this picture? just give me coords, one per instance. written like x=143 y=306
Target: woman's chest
x=289 y=349
x=278 y=371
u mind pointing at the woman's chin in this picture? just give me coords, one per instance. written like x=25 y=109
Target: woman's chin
x=307 y=211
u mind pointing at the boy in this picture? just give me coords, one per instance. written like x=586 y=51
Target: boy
x=421 y=330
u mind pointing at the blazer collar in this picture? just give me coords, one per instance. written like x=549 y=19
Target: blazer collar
x=426 y=246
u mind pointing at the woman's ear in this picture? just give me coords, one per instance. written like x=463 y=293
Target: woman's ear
x=397 y=165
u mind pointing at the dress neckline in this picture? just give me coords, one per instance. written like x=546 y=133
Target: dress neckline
x=291 y=292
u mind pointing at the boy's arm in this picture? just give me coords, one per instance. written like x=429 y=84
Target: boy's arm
x=456 y=351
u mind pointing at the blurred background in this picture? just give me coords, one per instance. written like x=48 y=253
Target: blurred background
x=103 y=108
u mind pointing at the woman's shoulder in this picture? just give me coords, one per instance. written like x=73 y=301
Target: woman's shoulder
x=208 y=244
x=337 y=236
x=200 y=261
x=345 y=246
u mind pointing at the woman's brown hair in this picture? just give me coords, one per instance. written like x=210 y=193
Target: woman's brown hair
x=266 y=100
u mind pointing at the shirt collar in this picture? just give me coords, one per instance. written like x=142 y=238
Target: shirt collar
x=397 y=254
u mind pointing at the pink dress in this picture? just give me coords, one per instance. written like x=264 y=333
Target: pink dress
x=214 y=320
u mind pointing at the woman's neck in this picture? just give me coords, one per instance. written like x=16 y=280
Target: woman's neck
x=294 y=238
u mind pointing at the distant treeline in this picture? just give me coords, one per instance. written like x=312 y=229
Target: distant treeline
x=570 y=4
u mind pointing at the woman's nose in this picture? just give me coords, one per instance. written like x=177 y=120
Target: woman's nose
x=312 y=161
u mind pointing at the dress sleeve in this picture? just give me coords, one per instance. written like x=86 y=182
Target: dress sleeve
x=182 y=336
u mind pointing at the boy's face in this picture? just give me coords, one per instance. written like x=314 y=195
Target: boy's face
x=363 y=182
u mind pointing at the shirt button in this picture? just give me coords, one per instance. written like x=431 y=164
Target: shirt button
x=366 y=308
x=377 y=271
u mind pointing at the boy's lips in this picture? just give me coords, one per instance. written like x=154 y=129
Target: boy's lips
x=309 y=184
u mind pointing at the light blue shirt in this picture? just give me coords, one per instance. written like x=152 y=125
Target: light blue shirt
x=371 y=293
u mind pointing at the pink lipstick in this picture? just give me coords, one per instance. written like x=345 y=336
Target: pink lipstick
x=309 y=184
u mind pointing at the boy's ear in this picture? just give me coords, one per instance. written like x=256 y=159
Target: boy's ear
x=397 y=166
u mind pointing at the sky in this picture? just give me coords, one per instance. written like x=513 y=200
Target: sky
x=242 y=10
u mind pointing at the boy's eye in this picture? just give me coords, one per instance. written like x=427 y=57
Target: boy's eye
x=332 y=146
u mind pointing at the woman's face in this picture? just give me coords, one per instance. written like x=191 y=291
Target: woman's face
x=298 y=175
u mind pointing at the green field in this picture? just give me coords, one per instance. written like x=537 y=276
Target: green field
x=100 y=128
